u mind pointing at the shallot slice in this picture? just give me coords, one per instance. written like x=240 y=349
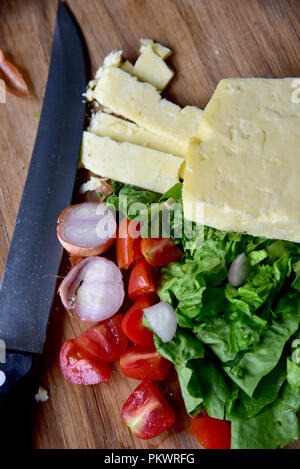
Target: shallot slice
x=93 y=289
x=162 y=319
x=86 y=229
x=238 y=270
x=13 y=78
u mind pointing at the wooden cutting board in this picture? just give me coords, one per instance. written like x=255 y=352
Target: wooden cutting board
x=211 y=40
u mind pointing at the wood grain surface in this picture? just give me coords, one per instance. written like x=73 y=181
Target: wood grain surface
x=211 y=40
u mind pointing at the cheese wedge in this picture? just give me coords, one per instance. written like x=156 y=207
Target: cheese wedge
x=150 y=67
x=244 y=170
x=129 y=163
x=141 y=103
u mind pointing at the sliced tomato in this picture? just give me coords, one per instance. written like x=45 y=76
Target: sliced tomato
x=142 y=280
x=211 y=433
x=144 y=362
x=160 y=251
x=132 y=323
x=78 y=369
x=146 y=412
x=105 y=342
x=127 y=245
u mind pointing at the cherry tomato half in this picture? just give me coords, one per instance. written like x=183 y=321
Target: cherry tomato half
x=146 y=412
x=127 y=247
x=78 y=369
x=160 y=251
x=104 y=342
x=144 y=362
x=132 y=323
x=211 y=433
x=142 y=280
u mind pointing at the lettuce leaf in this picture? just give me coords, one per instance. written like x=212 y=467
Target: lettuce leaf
x=258 y=362
x=241 y=407
x=275 y=426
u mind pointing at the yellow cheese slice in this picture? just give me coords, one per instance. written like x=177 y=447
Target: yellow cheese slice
x=106 y=125
x=129 y=163
x=244 y=169
x=142 y=103
x=124 y=131
x=152 y=68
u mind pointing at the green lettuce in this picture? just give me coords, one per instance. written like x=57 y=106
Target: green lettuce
x=275 y=426
x=233 y=349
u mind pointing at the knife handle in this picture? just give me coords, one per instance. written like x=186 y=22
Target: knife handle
x=16 y=400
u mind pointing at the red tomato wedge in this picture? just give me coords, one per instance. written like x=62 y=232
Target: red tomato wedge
x=127 y=245
x=146 y=412
x=160 y=251
x=142 y=280
x=105 y=342
x=211 y=433
x=132 y=323
x=78 y=369
x=143 y=362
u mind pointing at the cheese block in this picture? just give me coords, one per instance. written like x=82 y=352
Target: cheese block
x=244 y=169
x=152 y=68
x=140 y=102
x=121 y=130
x=129 y=163
x=163 y=51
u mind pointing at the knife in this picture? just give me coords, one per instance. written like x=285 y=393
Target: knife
x=27 y=291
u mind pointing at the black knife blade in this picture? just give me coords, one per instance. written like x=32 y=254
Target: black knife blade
x=27 y=289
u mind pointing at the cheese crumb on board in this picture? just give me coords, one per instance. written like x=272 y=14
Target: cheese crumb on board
x=92 y=184
x=244 y=170
x=127 y=66
x=152 y=68
x=129 y=163
x=163 y=51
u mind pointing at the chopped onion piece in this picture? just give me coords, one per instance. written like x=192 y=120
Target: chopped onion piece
x=162 y=319
x=86 y=229
x=93 y=289
x=239 y=270
x=42 y=395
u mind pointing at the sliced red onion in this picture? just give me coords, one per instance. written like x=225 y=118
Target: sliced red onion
x=86 y=229
x=93 y=289
x=162 y=319
x=239 y=270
